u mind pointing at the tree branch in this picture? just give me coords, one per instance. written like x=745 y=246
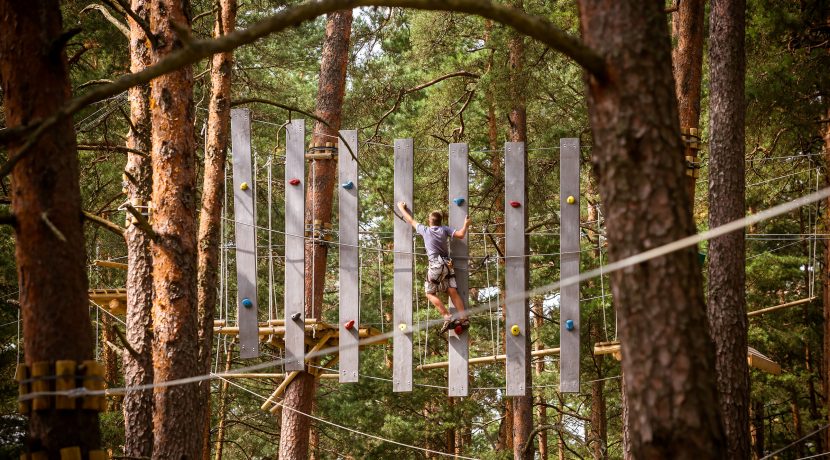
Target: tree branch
x=114 y=148
x=103 y=223
x=109 y=17
x=125 y=9
x=536 y=27
x=141 y=222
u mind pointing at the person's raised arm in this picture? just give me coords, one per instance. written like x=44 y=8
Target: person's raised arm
x=406 y=215
x=460 y=234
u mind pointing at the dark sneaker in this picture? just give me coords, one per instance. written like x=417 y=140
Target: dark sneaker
x=448 y=324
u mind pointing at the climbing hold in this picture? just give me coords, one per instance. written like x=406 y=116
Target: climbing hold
x=246 y=302
x=571 y=199
x=515 y=329
x=296 y=316
x=569 y=324
x=458 y=329
x=458 y=201
x=515 y=204
x=243 y=186
x=402 y=327
x=348 y=185
x=349 y=325
x=294 y=181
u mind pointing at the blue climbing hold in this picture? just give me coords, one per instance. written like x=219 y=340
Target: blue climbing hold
x=569 y=324
x=458 y=201
x=246 y=302
x=348 y=185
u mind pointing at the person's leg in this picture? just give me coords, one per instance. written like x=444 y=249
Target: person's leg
x=435 y=300
x=457 y=302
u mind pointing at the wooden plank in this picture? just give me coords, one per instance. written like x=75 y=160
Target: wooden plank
x=403 y=248
x=459 y=381
x=569 y=326
x=349 y=258
x=487 y=359
x=516 y=306
x=295 y=245
x=780 y=307
x=244 y=210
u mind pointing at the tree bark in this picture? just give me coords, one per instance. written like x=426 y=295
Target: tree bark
x=668 y=365
x=294 y=434
x=522 y=405
x=223 y=403
x=757 y=430
x=213 y=191
x=727 y=259
x=177 y=428
x=687 y=59
x=46 y=202
x=138 y=369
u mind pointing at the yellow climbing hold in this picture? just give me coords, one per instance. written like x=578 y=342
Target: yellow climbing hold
x=243 y=186
x=402 y=327
x=571 y=199
x=515 y=329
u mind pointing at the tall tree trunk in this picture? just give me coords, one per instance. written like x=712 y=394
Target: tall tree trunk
x=46 y=202
x=522 y=405
x=138 y=368
x=626 y=421
x=177 y=428
x=757 y=429
x=212 y=195
x=669 y=365
x=223 y=404
x=687 y=58
x=727 y=259
x=321 y=179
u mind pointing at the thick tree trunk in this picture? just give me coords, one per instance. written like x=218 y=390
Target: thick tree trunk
x=213 y=191
x=687 y=58
x=668 y=365
x=138 y=369
x=46 y=201
x=177 y=428
x=294 y=434
x=727 y=259
x=522 y=405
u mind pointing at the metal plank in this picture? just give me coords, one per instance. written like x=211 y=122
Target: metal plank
x=244 y=210
x=402 y=309
x=295 y=245
x=348 y=201
x=569 y=265
x=459 y=380
x=515 y=283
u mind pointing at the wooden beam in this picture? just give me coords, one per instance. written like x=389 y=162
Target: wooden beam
x=488 y=359
x=780 y=307
x=269 y=376
x=108 y=264
x=754 y=357
x=280 y=389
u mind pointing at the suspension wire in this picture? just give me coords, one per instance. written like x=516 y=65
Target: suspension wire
x=602 y=282
x=18 y=333
x=418 y=303
x=489 y=291
x=797 y=441
x=380 y=289
x=271 y=298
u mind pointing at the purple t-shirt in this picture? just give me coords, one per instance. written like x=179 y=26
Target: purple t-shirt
x=435 y=239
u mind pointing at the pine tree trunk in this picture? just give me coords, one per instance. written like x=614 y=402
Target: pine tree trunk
x=522 y=405
x=138 y=369
x=727 y=258
x=626 y=423
x=294 y=434
x=687 y=58
x=213 y=191
x=668 y=365
x=223 y=404
x=46 y=202
x=177 y=426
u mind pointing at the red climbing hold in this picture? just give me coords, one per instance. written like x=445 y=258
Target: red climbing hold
x=349 y=325
x=515 y=204
x=294 y=181
x=459 y=329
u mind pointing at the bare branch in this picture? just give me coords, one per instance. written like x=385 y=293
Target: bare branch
x=109 y=17
x=103 y=223
x=124 y=7
x=141 y=222
x=114 y=148
x=102 y=81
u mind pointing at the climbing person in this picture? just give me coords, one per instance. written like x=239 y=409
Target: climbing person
x=440 y=274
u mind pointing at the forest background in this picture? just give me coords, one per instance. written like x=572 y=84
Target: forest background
x=396 y=88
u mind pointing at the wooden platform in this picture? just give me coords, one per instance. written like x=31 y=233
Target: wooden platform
x=753 y=356
x=114 y=300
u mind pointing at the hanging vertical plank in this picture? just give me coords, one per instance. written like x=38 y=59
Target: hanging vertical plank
x=295 y=245
x=244 y=210
x=402 y=310
x=459 y=252
x=569 y=265
x=515 y=273
x=347 y=193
